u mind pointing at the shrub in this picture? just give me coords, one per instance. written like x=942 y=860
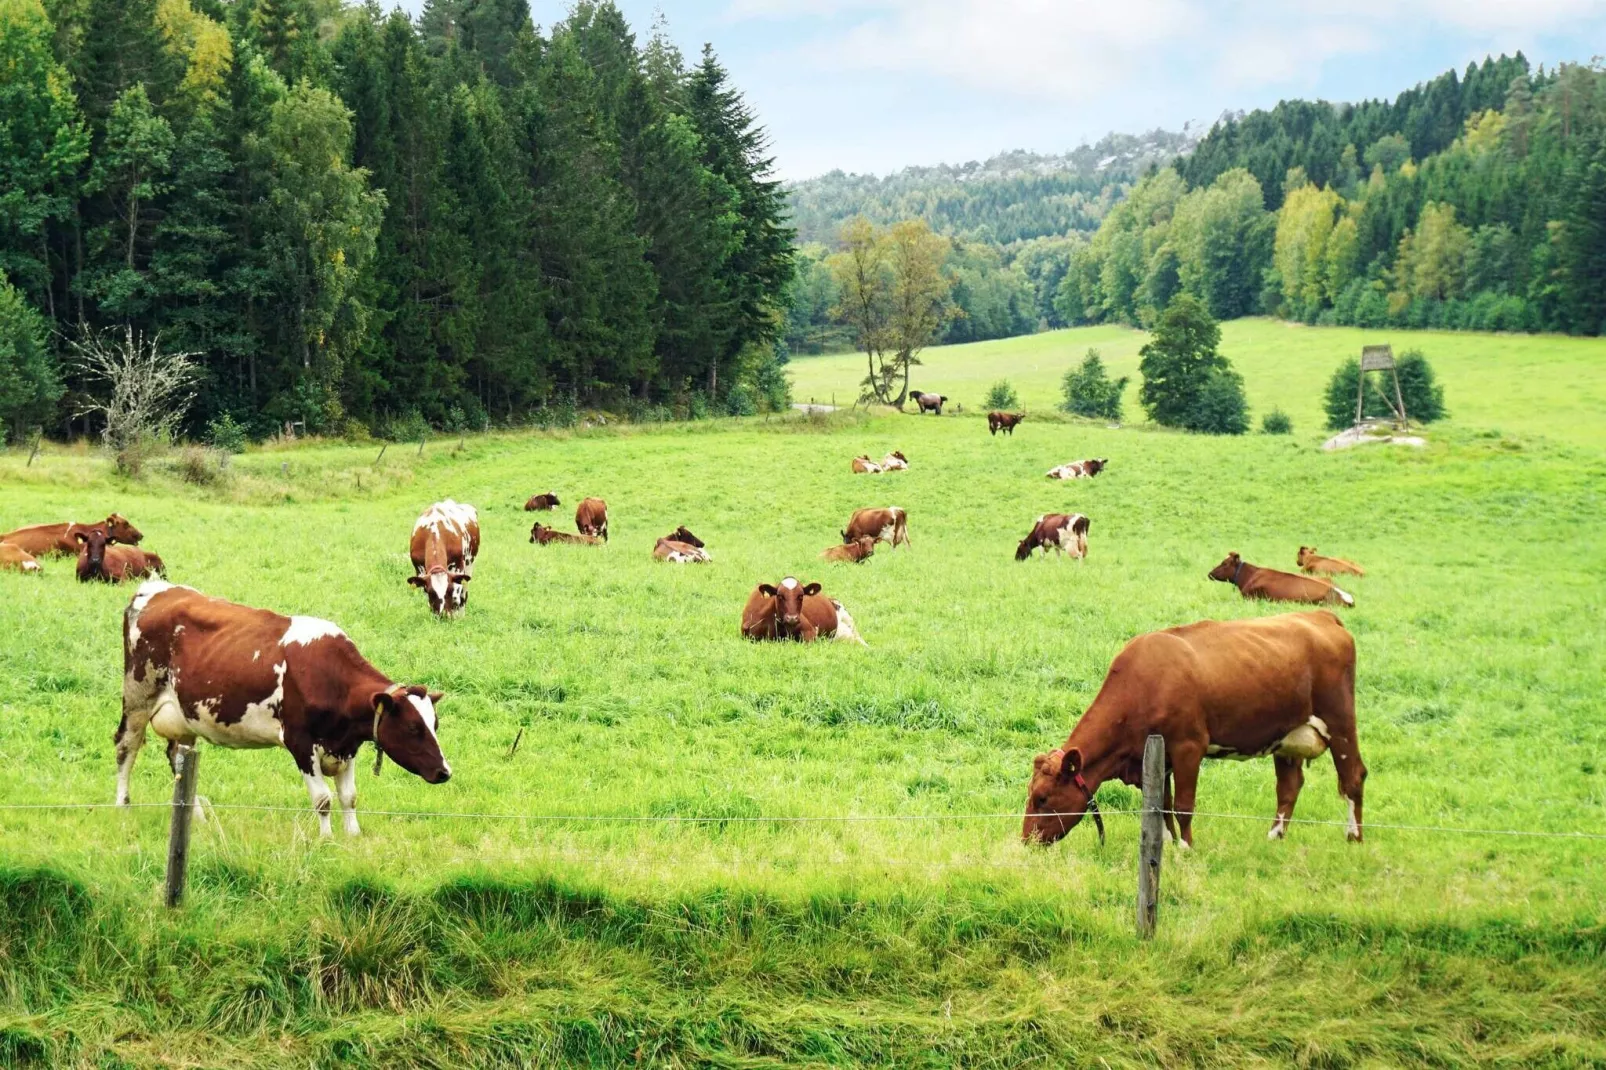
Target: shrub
x=698 y=405
x=1276 y=422
x=773 y=384
x=201 y=466
x=1423 y=396
x=1220 y=407
x=1089 y=391
x=226 y=434
x=742 y=400
x=1002 y=396
x=1178 y=363
x=408 y=427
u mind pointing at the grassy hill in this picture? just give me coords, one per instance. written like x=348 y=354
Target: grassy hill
x=892 y=918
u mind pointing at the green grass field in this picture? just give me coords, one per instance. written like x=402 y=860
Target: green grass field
x=527 y=933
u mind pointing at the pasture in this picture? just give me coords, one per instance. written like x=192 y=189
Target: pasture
x=548 y=925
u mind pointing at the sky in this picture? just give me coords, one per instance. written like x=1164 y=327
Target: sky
x=877 y=85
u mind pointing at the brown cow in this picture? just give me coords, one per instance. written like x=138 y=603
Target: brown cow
x=1255 y=582
x=929 y=402
x=445 y=542
x=853 y=552
x=1061 y=532
x=547 y=536
x=1003 y=421
x=790 y=610
x=591 y=518
x=863 y=465
x=16 y=559
x=895 y=462
x=541 y=503
x=1279 y=686
x=201 y=668
x=1309 y=561
x=60 y=540
x=1078 y=469
x=883 y=525
x=681 y=546
x=99 y=559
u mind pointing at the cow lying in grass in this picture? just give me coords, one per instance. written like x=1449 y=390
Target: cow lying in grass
x=61 y=540
x=1078 y=469
x=101 y=559
x=1253 y=581
x=1282 y=687
x=547 y=536
x=542 y=503
x=852 y=552
x=863 y=465
x=791 y=610
x=16 y=559
x=895 y=462
x=681 y=546
x=1309 y=561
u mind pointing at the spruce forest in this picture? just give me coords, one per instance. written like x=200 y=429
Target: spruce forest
x=355 y=221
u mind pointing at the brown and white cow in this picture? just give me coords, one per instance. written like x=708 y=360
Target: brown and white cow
x=60 y=540
x=540 y=503
x=895 y=462
x=791 y=610
x=1003 y=421
x=16 y=559
x=882 y=525
x=929 y=402
x=681 y=546
x=1282 y=687
x=1060 y=532
x=1078 y=469
x=546 y=536
x=1271 y=585
x=853 y=552
x=863 y=465
x=1310 y=561
x=445 y=542
x=591 y=518
x=100 y=559
x=196 y=667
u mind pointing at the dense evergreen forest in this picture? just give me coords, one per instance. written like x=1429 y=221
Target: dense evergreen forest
x=357 y=221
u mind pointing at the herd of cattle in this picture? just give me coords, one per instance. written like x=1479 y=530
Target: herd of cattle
x=197 y=667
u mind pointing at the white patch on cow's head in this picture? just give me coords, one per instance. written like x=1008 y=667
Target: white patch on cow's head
x=1354 y=821
x=789 y=582
x=426 y=712
x=439 y=584
x=304 y=630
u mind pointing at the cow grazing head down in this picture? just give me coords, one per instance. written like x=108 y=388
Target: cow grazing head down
x=788 y=595
x=683 y=534
x=91 y=552
x=1057 y=798
x=404 y=731
x=118 y=529
x=1023 y=552
x=1228 y=570
x=448 y=591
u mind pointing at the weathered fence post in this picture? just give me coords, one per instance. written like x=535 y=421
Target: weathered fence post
x=1152 y=837
x=421 y=447
x=381 y=457
x=178 y=836
x=37 y=439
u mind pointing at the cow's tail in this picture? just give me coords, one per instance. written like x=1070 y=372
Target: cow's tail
x=1344 y=596
x=900 y=527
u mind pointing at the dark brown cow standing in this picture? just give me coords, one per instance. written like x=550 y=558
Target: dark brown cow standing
x=929 y=402
x=852 y=552
x=883 y=525
x=1078 y=469
x=541 y=503
x=1061 y=532
x=591 y=518
x=16 y=559
x=791 y=610
x=60 y=540
x=547 y=536
x=445 y=542
x=1003 y=421
x=1310 y=561
x=1253 y=581
x=99 y=559
x=201 y=668
x=1278 y=686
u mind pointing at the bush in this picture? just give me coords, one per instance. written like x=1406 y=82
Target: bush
x=408 y=427
x=1002 y=396
x=1276 y=422
x=201 y=466
x=1090 y=392
x=1423 y=396
x=1220 y=408
x=698 y=405
x=773 y=384
x=227 y=435
x=742 y=401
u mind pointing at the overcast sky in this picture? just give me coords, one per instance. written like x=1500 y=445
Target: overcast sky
x=875 y=85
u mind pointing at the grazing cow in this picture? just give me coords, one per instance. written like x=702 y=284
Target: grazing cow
x=853 y=552
x=1078 y=469
x=16 y=559
x=895 y=462
x=1003 y=421
x=446 y=540
x=1255 y=582
x=790 y=610
x=591 y=518
x=883 y=525
x=1279 y=686
x=863 y=464
x=681 y=546
x=196 y=667
x=929 y=402
x=60 y=540
x=99 y=559
x=542 y=503
x=546 y=536
x=1310 y=561
x=1061 y=532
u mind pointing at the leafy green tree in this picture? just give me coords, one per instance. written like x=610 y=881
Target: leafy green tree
x=1089 y=391
x=130 y=171
x=30 y=383
x=1178 y=362
x=1001 y=395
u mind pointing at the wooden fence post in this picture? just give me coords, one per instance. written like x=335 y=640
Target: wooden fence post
x=383 y=447
x=1152 y=838
x=178 y=836
x=37 y=439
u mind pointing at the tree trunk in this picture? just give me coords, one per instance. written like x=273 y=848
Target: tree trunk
x=133 y=231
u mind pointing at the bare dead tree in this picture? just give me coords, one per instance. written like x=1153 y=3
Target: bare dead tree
x=147 y=391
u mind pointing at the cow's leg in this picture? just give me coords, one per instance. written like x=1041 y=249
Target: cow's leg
x=1169 y=805
x=139 y=706
x=317 y=790
x=1336 y=708
x=1290 y=778
x=345 y=774
x=1185 y=759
